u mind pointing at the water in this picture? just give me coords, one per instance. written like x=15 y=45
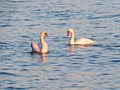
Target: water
x=64 y=67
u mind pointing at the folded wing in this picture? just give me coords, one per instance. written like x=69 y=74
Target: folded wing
x=35 y=47
x=84 y=41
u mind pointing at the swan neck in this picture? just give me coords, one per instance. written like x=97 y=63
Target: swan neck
x=72 y=38
x=44 y=46
x=42 y=41
x=72 y=33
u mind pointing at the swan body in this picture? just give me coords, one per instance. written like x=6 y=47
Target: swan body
x=41 y=47
x=81 y=41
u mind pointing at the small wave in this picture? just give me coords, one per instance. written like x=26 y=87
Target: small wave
x=53 y=79
x=25 y=36
x=5 y=25
x=113 y=46
x=21 y=1
x=115 y=61
x=15 y=88
x=4 y=43
x=116 y=36
x=100 y=27
x=106 y=16
x=9 y=74
x=28 y=19
x=105 y=74
x=117 y=20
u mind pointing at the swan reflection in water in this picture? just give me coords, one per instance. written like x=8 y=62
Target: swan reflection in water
x=36 y=56
x=72 y=46
x=43 y=57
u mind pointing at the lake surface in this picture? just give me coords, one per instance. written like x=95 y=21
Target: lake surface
x=64 y=67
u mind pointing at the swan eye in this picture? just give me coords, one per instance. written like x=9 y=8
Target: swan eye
x=68 y=33
x=46 y=34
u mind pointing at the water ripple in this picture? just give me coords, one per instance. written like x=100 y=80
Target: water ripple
x=15 y=88
x=9 y=74
x=115 y=61
x=105 y=16
x=63 y=67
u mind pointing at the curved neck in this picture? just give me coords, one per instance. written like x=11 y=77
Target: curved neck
x=72 y=38
x=42 y=41
x=43 y=45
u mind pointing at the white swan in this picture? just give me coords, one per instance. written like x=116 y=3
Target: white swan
x=41 y=47
x=81 y=41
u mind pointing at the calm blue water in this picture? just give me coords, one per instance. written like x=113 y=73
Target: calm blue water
x=64 y=68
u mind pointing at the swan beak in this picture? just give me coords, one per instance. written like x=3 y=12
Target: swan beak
x=46 y=34
x=68 y=33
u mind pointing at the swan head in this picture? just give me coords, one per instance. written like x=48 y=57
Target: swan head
x=43 y=34
x=70 y=30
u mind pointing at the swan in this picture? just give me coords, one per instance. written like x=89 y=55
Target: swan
x=81 y=41
x=41 y=47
